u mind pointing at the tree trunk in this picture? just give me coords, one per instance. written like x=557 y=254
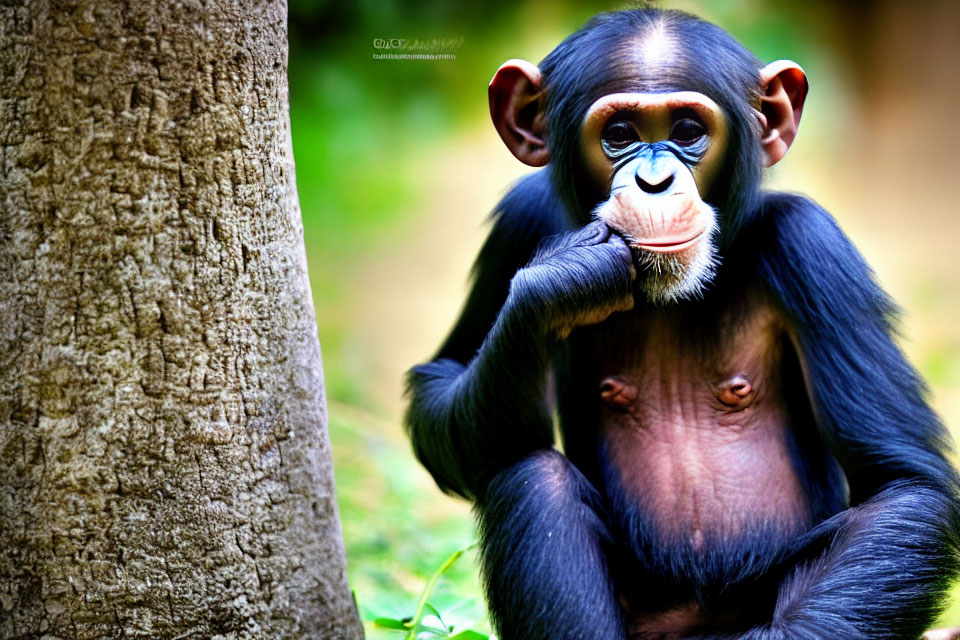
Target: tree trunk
x=165 y=469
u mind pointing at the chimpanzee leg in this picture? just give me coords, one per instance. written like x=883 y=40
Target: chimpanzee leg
x=884 y=575
x=544 y=547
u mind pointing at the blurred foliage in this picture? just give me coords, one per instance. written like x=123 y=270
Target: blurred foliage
x=395 y=539
x=362 y=132
x=427 y=622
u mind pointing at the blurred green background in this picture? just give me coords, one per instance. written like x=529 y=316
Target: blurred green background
x=398 y=166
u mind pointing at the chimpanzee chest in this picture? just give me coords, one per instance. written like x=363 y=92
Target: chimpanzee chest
x=694 y=416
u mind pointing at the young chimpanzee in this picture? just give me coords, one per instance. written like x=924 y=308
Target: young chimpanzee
x=747 y=452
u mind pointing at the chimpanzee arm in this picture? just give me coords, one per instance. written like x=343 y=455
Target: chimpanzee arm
x=529 y=212
x=870 y=401
x=479 y=405
x=448 y=449
x=895 y=550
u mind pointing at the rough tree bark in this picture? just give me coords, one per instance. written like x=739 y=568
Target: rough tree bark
x=164 y=462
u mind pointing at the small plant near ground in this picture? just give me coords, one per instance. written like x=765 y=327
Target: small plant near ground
x=427 y=623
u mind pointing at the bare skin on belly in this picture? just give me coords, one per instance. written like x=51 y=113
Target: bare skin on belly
x=697 y=425
x=696 y=421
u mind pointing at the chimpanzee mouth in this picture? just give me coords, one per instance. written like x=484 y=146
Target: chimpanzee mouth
x=671 y=244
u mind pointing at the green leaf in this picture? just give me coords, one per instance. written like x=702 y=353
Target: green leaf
x=390 y=623
x=429 y=607
x=469 y=634
x=427 y=590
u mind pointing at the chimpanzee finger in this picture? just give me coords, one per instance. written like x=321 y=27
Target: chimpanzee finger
x=592 y=234
x=624 y=252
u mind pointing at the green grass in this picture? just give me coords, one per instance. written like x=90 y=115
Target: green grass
x=396 y=537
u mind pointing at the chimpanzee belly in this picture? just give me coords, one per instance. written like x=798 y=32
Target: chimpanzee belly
x=696 y=424
x=698 y=431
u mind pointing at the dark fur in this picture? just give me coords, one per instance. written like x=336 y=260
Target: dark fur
x=559 y=539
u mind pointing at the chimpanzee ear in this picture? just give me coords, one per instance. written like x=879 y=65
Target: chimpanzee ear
x=516 y=106
x=784 y=90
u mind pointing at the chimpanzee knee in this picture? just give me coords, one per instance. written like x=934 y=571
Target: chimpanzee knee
x=545 y=550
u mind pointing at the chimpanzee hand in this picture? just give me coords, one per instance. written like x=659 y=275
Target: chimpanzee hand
x=576 y=278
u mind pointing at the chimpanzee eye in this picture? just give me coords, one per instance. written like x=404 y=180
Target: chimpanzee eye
x=619 y=135
x=687 y=131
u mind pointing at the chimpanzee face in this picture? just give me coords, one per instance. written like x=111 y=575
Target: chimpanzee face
x=656 y=154
x=653 y=148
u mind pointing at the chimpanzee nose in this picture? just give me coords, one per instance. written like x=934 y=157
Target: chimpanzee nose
x=658 y=187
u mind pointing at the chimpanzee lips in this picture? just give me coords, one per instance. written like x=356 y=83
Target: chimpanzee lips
x=667 y=244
